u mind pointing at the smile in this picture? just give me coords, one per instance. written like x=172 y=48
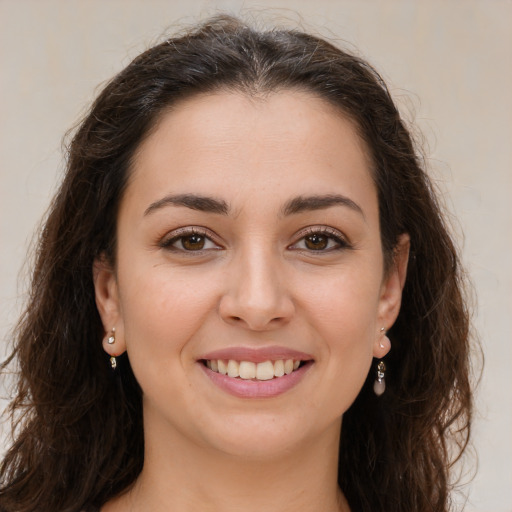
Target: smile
x=248 y=370
x=251 y=373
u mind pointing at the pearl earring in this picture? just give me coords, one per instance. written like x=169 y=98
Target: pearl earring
x=379 y=386
x=383 y=332
x=112 y=338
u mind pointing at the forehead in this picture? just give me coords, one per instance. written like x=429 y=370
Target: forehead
x=287 y=143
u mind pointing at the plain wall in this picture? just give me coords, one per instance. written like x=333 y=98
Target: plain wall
x=449 y=64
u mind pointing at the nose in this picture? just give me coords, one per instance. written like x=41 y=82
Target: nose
x=256 y=295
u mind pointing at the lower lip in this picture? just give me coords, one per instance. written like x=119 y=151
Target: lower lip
x=257 y=388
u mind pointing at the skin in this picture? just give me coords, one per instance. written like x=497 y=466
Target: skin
x=256 y=283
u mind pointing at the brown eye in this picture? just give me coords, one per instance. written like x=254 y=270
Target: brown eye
x=316 y=241
x=322 y=240
x=188 y=240
x=193 y=242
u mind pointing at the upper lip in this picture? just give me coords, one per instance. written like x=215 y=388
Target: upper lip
x=257 y=355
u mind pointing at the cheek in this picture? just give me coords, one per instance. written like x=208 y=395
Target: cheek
x=343 y=315
x=162 y=310
x=344 y=304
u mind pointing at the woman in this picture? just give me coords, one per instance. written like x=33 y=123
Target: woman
x=245 y=295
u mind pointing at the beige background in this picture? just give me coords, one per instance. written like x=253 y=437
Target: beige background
x=449 y=63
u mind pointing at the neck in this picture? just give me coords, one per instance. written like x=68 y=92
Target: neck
x=180 y=475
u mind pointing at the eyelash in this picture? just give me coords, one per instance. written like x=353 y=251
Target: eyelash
x=331 y=234
x=188 y=232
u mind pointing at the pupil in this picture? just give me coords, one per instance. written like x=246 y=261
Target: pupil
x=316 y=242
x=193 y=242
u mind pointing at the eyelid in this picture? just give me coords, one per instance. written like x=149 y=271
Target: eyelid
x=338 y=236
x=171 y=237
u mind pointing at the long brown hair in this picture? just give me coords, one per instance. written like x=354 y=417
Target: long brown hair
x=78 y=428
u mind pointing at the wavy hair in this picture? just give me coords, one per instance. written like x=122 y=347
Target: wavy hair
x=78 y=433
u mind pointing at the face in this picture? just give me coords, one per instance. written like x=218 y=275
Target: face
x=248 y=243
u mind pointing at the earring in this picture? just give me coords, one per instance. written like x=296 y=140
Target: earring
x=379 y=386
x=383 y=332
x=112 y=338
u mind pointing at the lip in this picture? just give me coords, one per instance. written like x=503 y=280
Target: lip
x=256 y=389
x=257 y=355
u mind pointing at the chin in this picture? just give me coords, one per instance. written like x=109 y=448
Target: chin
x=263 y=437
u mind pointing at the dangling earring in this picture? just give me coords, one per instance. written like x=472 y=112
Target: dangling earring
x=383 y=332
x=111 y=340
x=379 y=386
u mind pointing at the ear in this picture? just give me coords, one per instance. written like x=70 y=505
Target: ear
x=391 y=295
x=107 y=302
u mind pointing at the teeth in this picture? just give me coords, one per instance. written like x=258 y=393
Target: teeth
x=233 y=368
x=222 y=367
x=279 y=368
x=265 y=371
x=248 y=370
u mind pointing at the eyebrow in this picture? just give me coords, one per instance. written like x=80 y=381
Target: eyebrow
x=308 y=203
x=296 y=205
x=192 y=201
